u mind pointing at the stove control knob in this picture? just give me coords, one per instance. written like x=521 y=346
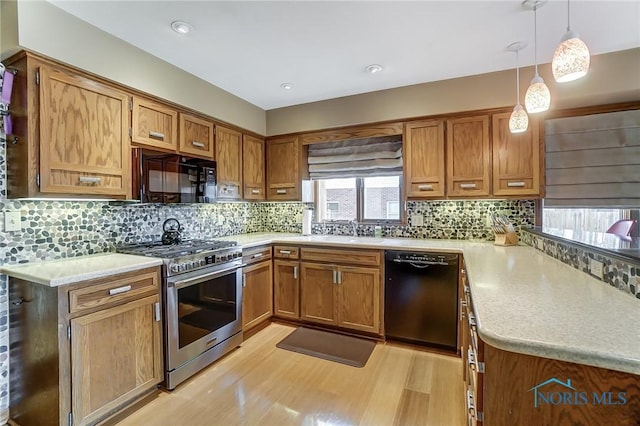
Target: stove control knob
x=175 y=268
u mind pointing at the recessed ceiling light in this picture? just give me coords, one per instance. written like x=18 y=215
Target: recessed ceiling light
x=373 y=68
x=287 y=86
x=181 y=27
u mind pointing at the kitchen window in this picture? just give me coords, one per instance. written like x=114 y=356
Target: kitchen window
x=364 y=199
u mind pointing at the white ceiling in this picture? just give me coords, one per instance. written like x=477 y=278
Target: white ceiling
x=322 y=47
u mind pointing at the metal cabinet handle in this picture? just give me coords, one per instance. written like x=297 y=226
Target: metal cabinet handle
x=515 y=184
x=255 y=191
x=471 y=405
x=425 y=187
x=281 y=191
x=468 y=186
x=156 y=135
x=119 y=290
x=89 y=179
x=198 y=144
x=244 y=280
x=295 y=272
x=335 y=279
x=257 y=255
x=339 y=277
x=285 y=251
x=156 y=308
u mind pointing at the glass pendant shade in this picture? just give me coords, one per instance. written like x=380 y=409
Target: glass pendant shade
x=571 y=59
x=519 y=120
x=538 y=97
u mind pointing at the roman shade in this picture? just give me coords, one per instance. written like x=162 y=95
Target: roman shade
x=380 y=156
x=593 y=160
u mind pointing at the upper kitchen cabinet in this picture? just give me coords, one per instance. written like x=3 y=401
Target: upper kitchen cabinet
x=253 y=168
x=468 y=156
x=196 y=136
x=229 y=163
x=424 y=163
x=283 y=169
x=154 y=125
x=72 y=133
x=516 y=158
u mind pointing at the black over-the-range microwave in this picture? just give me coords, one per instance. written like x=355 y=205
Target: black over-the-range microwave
x=172 y=178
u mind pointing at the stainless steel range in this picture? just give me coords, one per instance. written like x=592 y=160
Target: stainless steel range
x=202 y=299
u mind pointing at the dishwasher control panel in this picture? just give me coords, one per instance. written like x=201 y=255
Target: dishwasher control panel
x=422 y=258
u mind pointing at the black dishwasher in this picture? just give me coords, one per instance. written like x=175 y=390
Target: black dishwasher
x=421 y=298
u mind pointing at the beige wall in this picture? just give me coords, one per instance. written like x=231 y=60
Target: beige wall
x=51 y=31
x=613 y=77
x=8 y=28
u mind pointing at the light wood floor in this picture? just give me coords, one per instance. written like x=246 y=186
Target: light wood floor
x=259 y=384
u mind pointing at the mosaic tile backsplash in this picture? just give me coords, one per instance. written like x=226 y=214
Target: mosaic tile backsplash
x=624 y=275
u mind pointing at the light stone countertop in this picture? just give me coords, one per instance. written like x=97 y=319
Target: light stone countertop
x=59 y=272
x=524 y=300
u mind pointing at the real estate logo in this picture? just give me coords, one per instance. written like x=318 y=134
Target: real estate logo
x=572 y=396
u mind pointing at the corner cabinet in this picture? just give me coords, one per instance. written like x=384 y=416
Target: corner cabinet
x=468 y=156
x=253 y=173
x=72 y=134
x=424 y=159
x=284 y=178
x=516 y=158
x=229 y=163
x=86 y=350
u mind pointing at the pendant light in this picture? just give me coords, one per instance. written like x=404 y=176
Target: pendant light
x=519 y=120
x=571 y=58
x=537 y=98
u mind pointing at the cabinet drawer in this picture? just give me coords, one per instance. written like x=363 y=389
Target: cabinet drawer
x=116 y=290
x=431 y=189
x=256 y=254
x=285 y=193
x=469 y=187
x=355 y=257
x=286 y=252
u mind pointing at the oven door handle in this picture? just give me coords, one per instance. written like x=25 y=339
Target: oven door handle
x=194 y=280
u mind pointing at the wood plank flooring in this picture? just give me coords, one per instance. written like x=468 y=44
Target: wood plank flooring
x=259 y=384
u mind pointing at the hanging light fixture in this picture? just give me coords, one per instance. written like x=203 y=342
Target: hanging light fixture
x=519 y=120
x=571 y=58
x=537 y=98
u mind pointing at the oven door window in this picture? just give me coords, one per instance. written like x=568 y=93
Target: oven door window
x=206 y=307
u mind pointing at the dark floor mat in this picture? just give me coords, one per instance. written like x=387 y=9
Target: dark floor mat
x=330 y=346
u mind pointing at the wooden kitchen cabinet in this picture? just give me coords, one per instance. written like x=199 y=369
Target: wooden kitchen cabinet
x=229 y=163
x=346 y=296
x=286 y=282
x=196 y=136
x=468 y=156
x=257 y=296
x=72 y=133
x=155 y=125
x=424 y=164
x=516 y=158
x=284 y=180
x=83 y=353
x=253 y=172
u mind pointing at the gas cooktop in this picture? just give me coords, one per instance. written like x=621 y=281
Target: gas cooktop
x=184 y=248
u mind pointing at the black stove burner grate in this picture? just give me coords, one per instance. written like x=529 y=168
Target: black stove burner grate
x=187 y=247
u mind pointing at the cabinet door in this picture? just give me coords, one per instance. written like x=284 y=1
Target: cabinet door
x=154 y=125
x=318 y=291
x=516 y=158
x=286 y=288
x=283 y=169
x=84 y=142
x=229 y=163
x=257 y=296
x=468 y=156
x=424 y=158
x=116 y=355
x=253 y=168
x=196 y=136
x=359 y=298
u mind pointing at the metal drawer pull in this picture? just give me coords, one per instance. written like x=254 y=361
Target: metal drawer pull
x=255 y=191
x=89 y=179
x=335 y=279
x=281 y=191
x=198 y=144
x=257 y=255
x=515 y=184
x=471 y=405
x=339 y=277
x=295 y=272
x=156 y=308
x=285 y=251
x=425 y=187
x=468 y=186
x=156 y=135
x=123 y=289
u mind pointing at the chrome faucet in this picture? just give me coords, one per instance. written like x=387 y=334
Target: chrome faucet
x=354 y=226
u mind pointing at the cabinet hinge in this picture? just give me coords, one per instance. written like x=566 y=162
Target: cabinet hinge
x=130 y=132
x=38 y=180
x=37 y=78
x=70 y=419
x=480 y=416
x=68 y=332
x=481 y=367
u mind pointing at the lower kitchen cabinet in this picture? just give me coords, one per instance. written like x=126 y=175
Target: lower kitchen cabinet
x=318 y=293
x=286 y=289
x=257 y=294
x=84 y=351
